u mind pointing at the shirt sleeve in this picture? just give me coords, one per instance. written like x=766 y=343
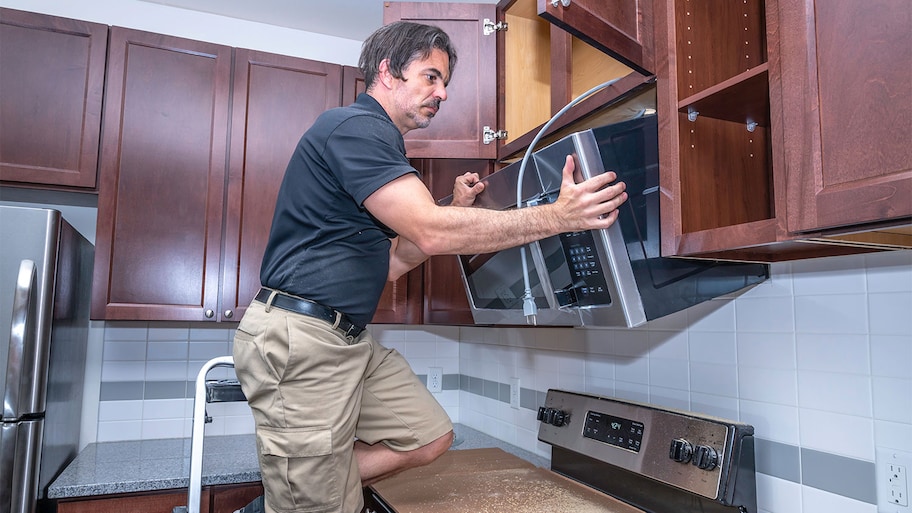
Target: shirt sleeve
x=365 y=153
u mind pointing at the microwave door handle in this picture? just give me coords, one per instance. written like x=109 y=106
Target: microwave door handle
x=21 y=332
x=544 y=278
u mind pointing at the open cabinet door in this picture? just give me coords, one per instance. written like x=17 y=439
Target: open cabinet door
x=458 y=129
x=622 y=28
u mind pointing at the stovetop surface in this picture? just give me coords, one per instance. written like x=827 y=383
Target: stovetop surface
x=491 y=481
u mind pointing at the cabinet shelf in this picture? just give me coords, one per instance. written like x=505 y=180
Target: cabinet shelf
x=742 y=99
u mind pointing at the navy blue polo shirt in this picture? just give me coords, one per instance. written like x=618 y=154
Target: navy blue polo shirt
x=324 y=245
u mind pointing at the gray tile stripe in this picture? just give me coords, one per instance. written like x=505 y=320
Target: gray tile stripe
x=844 y=476
x=841 y=475
x=777 y=459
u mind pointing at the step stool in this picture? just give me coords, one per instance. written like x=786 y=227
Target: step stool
x=207 y=391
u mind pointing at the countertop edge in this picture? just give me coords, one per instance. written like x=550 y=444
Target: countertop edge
x=109 y=468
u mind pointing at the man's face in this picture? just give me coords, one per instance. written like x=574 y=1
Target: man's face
x=418 y=94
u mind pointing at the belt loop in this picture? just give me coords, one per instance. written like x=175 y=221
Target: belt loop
x=338 y=319
x=269 y=301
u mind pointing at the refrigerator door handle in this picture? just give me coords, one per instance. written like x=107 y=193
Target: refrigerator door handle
x=22 y=333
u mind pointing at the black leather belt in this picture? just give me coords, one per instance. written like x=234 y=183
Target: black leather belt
x=338 y=320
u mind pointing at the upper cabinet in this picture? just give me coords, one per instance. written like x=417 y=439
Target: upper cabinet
x=162 y=184
x=275 y=99
x=52 y=79
x=781 y=125
x=846 y=86
x=185 y=208
x=459 y=128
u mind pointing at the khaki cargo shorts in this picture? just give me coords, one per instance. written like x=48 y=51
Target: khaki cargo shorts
x=312 y=392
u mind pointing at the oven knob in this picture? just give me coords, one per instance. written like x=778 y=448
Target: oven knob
x=705 y=457
x=552 y=416
x=681 y=450
x=559 y=418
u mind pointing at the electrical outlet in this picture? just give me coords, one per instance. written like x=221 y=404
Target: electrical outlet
x=514 y=393
x=892 y=474
x=435 y=380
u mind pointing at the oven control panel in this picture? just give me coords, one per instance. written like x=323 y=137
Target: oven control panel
x=691 y=451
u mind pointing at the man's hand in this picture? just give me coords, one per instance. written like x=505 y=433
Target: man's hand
x=465 y=189
x=590 y=204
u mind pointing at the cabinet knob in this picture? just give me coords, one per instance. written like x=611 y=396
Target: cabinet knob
x=210 y=314
x=565 y=3
x=228 y=314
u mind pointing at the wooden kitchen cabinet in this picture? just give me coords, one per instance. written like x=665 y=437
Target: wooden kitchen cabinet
x=458 y=128
x=276 y=99
x=172 y=181
x=150 y=502
x=445 y=300
x=162 y=184
x=52 y=78
x=744 y=171
x=846 y=86
x=213 y=499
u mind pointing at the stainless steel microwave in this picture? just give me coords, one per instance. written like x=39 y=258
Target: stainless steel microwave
x=613 y=277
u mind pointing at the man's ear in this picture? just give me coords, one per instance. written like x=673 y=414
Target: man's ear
x=384 y=76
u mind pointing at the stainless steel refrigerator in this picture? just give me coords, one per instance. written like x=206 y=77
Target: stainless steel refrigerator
x=45 y=286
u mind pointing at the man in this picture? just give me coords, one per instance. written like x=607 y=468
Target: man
x=334 y=410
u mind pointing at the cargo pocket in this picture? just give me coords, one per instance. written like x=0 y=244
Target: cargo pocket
x=298 y=469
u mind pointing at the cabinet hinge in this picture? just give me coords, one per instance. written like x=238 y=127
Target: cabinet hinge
x=489 y=135
x=489 y=27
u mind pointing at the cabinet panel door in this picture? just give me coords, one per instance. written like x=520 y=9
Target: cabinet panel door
x=52 y=77
x=847 y=111
x=622 y=29
x=163 y=170
x=445 y=299
x=276 y=99
x=456 y=131
x=228 y=498
x=153 y=502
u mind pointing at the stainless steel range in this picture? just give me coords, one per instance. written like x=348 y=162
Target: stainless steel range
x=608 y=455
x=659 y=460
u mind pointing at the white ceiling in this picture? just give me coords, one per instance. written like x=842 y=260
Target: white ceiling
x=349 y=19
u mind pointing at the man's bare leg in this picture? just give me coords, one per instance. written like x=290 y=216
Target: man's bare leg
x=377 y=462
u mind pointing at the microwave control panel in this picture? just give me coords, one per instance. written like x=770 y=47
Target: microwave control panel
x=589 y=287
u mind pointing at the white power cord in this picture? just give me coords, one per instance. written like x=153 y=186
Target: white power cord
x=530 y=310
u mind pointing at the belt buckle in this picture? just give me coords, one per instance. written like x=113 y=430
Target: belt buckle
x=348 y=331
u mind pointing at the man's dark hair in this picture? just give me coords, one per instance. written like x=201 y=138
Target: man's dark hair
x=402 y=42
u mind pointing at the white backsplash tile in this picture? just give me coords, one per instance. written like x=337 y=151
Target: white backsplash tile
x=837 y=433
x=764 y=314
x=833 y=352
x=891 y=313
x=771 y=421
x=893 y=400
x=891 y=355
x=768 y=385
x=835 y=392
x=837 y=313
x=713 y=378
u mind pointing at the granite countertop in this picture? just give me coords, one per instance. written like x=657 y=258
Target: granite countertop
x=146 y=465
